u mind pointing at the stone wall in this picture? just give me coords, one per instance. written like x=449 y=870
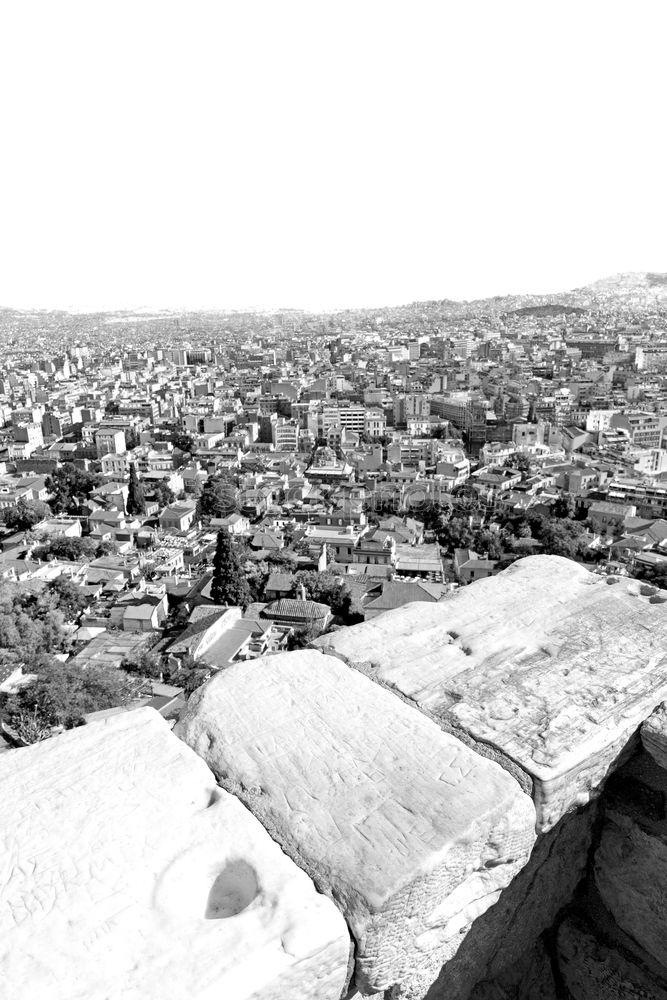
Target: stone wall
x=461 y=801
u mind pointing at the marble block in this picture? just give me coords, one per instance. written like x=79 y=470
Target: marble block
x=127 y=874
x=411 y=833
x=552 y=665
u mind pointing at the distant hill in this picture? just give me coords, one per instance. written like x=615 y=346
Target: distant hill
x=549 y=309
x=641 y=289
x=632 y=287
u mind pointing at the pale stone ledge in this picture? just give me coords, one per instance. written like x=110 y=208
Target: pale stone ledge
x=127 y=873
x=553 y=665
x=411 y=832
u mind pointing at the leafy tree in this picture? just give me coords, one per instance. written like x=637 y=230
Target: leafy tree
x=302 y=638
x=26 y=514
x=136 y=503
x=67 y=482
x=132 y=438
x=29 y=726
x=520 y=462
x=179 y=438
x=195 y=678
x=64 y=692
x=217 y=499
x=30 y=626
x=286 y=560
x=183 y=441
x=433 y=515
x=64 y=547
x=456 y=534
x=326 y=588
x=257 y=575
x=563 y=506
x=488 y=541
x=163 y=494
x=559 y=536
x=70 y=599
x=229 y=585
x=145 y=663
x=657 y=575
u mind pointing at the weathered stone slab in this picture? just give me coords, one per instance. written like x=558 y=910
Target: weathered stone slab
x=631 y=877
x=552 y=665
x=591 y=970
x=127 y=873
x=501 y=938
x=654 y=735
x=412 y=833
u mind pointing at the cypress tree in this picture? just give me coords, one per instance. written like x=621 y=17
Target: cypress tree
x=229 y=585
x=135 y=496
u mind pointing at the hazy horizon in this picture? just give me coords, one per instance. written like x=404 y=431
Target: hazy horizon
x=150 y=308
x=326 y=157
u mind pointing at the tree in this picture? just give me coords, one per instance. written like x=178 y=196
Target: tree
x=257 y=575
x=67 y=482
x=657 y=575
x=64 y=692
x=26 y=514
x=302 y=638
x=456 y=534
x=145 y=664
x=433 y=515
x=489 y=542
x=135 y=494
x=163 y=493
x=326 y=588
x=29 y=726
x=564 y=506
x=132 y=438
x=195 y=678
x=217 y=499
x=70 y=599
x=229 y=585
x=30 y=626
x=520 y=462
x=559 y=536
x=183 y=441
x=66 y=547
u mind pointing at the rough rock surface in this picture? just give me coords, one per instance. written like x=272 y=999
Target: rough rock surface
x=127 y=874
x=631 y=877
x=500 y=938
x=553 y=665
x=591 y=970
x=654 y=735
x=530 y=979
x=411 y=832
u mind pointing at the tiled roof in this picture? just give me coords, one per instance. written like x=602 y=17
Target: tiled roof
x=288 y=607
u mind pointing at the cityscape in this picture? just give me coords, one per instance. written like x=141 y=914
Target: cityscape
x=181 y=492
x=333 y=501
x=332 y=650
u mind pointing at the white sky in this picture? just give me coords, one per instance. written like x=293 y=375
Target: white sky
x=327 y=153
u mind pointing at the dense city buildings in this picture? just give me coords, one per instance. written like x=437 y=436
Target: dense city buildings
x=358 y=461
